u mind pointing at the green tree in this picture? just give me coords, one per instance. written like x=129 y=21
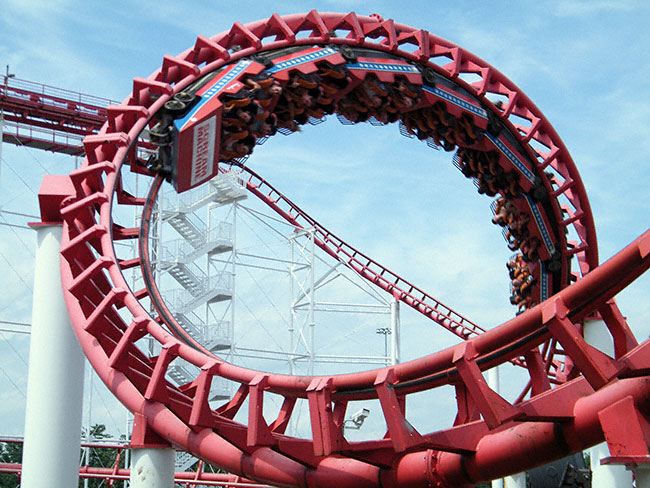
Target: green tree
x=10 y=452
x=99 y=457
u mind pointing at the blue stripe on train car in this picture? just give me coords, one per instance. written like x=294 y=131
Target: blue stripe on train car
x=543 y=287
x=305 y=58
x=393 y=68
x=543 y=231
x=464 y=104
x=517 y=163
x=216 y=88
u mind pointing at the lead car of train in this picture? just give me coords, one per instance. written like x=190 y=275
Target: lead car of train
x=223 y=115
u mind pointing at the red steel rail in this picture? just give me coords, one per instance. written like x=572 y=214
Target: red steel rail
x=365 y=266
x=53 y=119
x=490 y=437
x=189 y=479
x=200 y=477
x=49 y=118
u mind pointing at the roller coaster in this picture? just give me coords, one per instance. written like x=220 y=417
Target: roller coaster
x=204 y=112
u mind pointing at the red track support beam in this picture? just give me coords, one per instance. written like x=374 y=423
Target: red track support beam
x=54 y=190
x=626 y=430
x=494 y=409
x=537 y=370
x=555 y=421
x=259 y=433
x=201 y=411
x=595 y=365
x=156 y=389
x=624 y=340
x=402 y=434
x=328 y=437
x=280 y=424
x=143 y=436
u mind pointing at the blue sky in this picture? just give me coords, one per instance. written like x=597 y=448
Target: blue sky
x=584 y=63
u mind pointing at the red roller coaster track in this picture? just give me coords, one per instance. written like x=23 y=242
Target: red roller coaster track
x=113 y=472
x=490 y=437
x=49 y=118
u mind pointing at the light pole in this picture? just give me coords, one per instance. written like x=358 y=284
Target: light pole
x=385 y=331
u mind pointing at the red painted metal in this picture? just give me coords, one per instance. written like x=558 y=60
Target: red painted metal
x=50 y=118
x=187 y=479
x=45 y=139
x=200 y=477
x=505 y=438
x=365 y=266
x=53 y=108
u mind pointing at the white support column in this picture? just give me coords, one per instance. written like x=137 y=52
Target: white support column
x=642 y=474
x=89 y=409
x=493 y=383
x=604 y=476
x=395 y=346
x=312 y=301
x=152 y=468
x=55 y=381
x=292 y=303
x=607 y=475
x=515 y=481
x=493 y=379
x=497 y=483
x=231 y=331
x=127 y=452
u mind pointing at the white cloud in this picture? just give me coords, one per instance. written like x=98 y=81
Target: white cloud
x=36 y=9
x=587 y=7
x=407 y=208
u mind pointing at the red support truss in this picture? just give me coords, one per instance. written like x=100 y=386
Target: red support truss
x=490 y=437
x=49 y=118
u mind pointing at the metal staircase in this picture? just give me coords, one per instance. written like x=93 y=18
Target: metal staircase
x=184 y=461
x=183 y=223
x=184 y=260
